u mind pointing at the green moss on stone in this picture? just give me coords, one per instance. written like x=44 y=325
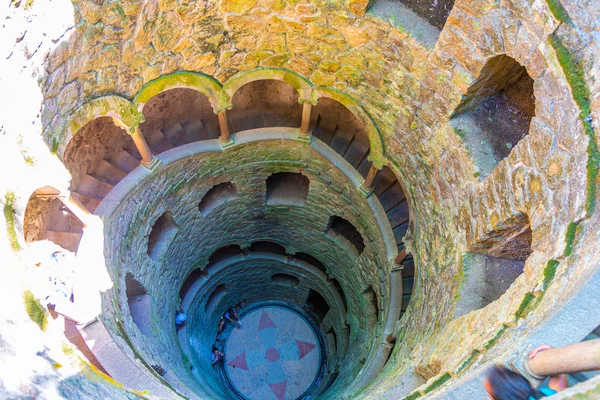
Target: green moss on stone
x=9 y=199
x=67 y=350
x=581 y=94
x=413 y=396
x=495 y=338
x=204 y=83
x=558 y=11
x=549 y=273
x=523 y=306
x=437 y=383
x=476 y=174
x=570 y=238
x=474 y=354
x=35 y=310
x=461 y=134
x=178 y=187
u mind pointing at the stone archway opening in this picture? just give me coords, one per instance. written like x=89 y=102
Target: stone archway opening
x=98 y=157
x=265 y=103
x=177 y=117
x=496 y=111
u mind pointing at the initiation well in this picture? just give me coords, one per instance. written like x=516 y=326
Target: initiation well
x=413 y=185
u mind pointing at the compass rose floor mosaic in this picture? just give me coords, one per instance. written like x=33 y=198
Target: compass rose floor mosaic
x=274 y=355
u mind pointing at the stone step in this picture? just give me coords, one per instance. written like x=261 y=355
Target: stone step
x=132 y=150
x=90 y=203
x=356 y=152
x=324 y=130
x=364 y=166
x=409 y=268
x=175 y=135
x=212 y=129
x=341 y=140
x=105 y=171
x=243 y=120
x=67 y=240
x=391 y=197
x=65 y=221
x=124 y=161
x=405 y=301
x=194 y=131
x=384 y=180
x=399 y=232
x=407 y=285
x=282 y=119
x=399 y=214
x=93 y=187
x=158 y=142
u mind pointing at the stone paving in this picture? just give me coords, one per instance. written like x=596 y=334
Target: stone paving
x=274 y=355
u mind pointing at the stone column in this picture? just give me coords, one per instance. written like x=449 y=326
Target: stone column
x=367 y=185
x=400 y=258
x=142 y=146
x=224 y=127
x=578 y=357
x=305 y=125
x=75 y=206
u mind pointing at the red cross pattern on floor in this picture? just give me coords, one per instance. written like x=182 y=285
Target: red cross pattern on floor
x=274 y=355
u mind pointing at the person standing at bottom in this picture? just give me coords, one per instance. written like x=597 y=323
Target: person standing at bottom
x=180 y=319
x=216 y=355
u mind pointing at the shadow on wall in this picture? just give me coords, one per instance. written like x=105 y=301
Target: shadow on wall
x=495 y=112
x=494 y=264
x=265 y=103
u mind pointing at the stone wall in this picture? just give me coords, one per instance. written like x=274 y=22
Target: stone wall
x=550 y=176
x=249 y=281
x=178 y=189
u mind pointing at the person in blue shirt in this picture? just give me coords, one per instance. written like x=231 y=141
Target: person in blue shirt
x=180 y=319
x=232 y=316
x=216 y=355
x=505 y=384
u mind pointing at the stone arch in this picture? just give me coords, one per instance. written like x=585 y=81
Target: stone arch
x=205 y=84
x=377 y=151
x=161 y=235
x=495 y=260
x=346 y=234
x=178 y=116
x=219 y=194
x=287 y=188
x=300 y=83
x=283 y=279
x=138 y=300
x=268 y=246
x=495 y=111
x=223 y=253
x=394 y=201
x=190 y=280
x=48 y=218
x=120 y=110
x=412 y=206
x=265 y=103
x=98 y=158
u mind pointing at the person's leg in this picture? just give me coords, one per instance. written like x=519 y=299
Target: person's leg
x=558 y=382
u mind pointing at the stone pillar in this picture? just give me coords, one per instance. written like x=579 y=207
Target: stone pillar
x=400 y=258
x=367 y=185
x=75 y=206
x=148 y=158
x=224 y=127
x=305 y=125
x=578 y=357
